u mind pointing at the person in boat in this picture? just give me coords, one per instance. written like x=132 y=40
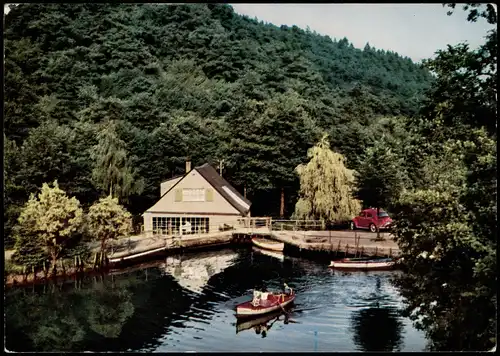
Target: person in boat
x=257 y=297
x=286 y=289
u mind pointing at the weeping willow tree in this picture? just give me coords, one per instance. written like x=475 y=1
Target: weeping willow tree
x=112 y=171
x=325 y=186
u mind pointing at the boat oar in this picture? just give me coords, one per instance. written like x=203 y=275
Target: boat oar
x=282 y=308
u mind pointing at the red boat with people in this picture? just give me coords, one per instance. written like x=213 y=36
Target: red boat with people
x=265 y=302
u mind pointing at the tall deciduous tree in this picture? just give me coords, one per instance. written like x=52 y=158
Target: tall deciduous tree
x=447 y=224
x=52 y=219
x=325 y=186
x=379 y=178
x=108 y=220
x=112 y=172
x=268 y=140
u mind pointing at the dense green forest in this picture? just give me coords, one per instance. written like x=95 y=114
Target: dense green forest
x=108 y=97
x=180 y=81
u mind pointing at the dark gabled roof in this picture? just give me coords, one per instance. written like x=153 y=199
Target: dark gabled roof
x=211 y=175
x=216 y=181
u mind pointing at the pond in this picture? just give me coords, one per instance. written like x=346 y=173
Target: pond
x=186 y=303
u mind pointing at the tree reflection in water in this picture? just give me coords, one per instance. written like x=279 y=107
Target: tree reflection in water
x=377 y=328
x=61 y=317
x=146 y=309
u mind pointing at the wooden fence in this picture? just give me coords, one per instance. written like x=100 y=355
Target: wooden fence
x=298 y=225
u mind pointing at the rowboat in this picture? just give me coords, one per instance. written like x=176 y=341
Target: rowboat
x=363 y=263
x=268 y=244
x=263 y=303
x=279 y=255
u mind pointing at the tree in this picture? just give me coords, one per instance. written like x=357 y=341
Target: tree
x=379 y=178
x=112 y=171
x=186 y=66
x=325 y=186
x=108 y=220
x=447 y=224
x=464 y=96
x=52 y=219
x=267 y=140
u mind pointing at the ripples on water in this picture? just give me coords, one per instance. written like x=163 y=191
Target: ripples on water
x=187 y=304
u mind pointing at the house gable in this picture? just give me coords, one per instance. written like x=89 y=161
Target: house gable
x=174 y=199
x=225 y=189
x=169 y=183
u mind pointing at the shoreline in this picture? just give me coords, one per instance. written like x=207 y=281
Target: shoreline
x=318 y=244
x=19 y=280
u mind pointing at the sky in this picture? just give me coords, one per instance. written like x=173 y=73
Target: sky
x=413 y=30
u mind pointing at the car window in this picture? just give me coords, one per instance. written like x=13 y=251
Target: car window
x=362 y=214
x=368 y=215
x=382 y=214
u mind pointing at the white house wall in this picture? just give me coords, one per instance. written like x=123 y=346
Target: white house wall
x=219 y=210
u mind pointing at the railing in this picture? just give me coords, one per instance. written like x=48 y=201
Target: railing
x=165 y=237
x=255 y=222
x=298 y=225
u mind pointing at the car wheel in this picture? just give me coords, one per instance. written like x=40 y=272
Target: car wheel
x=352 y=226
x=373 y=228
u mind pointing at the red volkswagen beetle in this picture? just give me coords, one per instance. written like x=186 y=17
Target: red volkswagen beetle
x=368 y=219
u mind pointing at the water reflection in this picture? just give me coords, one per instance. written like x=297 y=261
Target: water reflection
x=193 y=271
x=262 y=325
x=159 y=308
x=278 y=255
x=378 y=326
x=61 y=317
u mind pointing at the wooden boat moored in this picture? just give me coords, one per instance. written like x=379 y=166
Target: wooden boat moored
x=268 y=244
x=363 y=264
x=264 y=302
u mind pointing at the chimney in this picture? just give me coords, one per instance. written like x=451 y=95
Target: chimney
x=188 y=165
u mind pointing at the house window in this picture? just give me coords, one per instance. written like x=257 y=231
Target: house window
x=195 y=225
x=189 y=194
x=166 y=226
x=174 y=226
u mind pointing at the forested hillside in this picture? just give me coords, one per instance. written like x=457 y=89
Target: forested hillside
x=149 y=85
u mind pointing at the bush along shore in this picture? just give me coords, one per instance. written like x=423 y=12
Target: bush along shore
x=18 y=275
x=54 y=235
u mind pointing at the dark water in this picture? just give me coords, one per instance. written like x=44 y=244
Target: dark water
x=186 y=303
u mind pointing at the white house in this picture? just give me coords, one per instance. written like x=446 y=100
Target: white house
x=200 y=201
